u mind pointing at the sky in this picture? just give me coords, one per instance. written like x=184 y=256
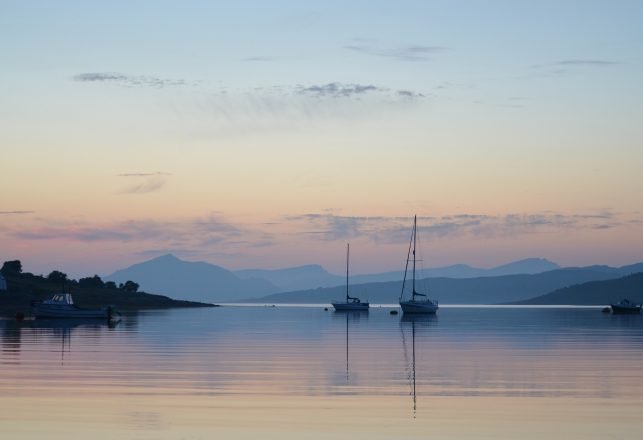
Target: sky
x=258 y=134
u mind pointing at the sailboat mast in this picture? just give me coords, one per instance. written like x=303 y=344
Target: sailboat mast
x=348 y=247
x=415 y=218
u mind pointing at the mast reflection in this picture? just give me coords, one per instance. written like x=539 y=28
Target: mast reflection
x=415 y=322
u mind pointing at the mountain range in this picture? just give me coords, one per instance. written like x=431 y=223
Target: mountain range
x=198 y=281
x=480 y=290
x=456 y=284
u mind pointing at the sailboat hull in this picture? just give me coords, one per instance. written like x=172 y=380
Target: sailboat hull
x=342 y=306
x=418 y=307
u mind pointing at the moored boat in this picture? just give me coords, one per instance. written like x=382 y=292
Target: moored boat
x=624 y=307
x=61 y=305
x=419 y=302
x=351 y=303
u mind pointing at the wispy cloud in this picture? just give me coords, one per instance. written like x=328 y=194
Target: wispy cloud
x=212 y=229
x=408 y=94
x=145 y=182
x=128 y=80
x=581 y=62
x=263 y=58
x=401 y=53
x=336 y=89
x=16 y=212
x=209 y=237
x=567 y=66
x=394 y=229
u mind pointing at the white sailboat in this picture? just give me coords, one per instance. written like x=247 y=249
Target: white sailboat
x=351 y=303
x=419 y=302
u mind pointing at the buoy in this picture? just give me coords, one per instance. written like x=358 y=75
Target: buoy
x=19 y=316
x=606 y=310
x=393 y=312
x=325 y=309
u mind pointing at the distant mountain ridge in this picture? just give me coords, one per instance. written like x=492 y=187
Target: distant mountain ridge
x=458 y=284
x=196 y=281
x=314 y=276
x=293 y=278
x=482 y=290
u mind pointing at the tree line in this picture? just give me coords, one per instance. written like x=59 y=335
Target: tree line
x=14 y=268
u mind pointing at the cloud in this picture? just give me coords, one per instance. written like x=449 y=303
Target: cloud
x=330 y=227
x=565 y=67
x=211 y=229
x=408 y=94
x=146 y=182
x=260 y=58
x=579 y=62
x=128 y=80
x=16 y=212
x=207 y=237
x=336 y=89
x=401 y=53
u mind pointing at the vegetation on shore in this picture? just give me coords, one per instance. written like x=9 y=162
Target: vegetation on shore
x=89 y=292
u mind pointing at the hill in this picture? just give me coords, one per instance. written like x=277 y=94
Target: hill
x=481 y=290
x=195 y=281
x=24 y=288
x=294 y=278
x=594 y=293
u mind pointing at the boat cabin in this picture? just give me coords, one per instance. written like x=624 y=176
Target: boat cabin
x=60 y=298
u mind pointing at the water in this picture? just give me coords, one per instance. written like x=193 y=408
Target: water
x=302 y=372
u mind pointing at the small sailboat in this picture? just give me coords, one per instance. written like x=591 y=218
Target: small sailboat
x=419 y=302
x=351 y=303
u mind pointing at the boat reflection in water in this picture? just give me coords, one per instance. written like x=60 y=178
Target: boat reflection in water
x=353 y=316
x=410 y=324
x=14 y=332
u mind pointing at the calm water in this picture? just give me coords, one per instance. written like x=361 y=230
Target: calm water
x=302 y=372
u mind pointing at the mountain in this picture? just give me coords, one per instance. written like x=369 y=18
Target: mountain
x=526 y=266
x=595 y=293
x=314 y=276
x=294 y=278
x=481 y=290
x=195 y=281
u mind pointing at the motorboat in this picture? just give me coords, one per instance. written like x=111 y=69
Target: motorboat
x=61 y=305
x=624 y=307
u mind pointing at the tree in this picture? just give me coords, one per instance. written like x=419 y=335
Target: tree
x=94 y=281
x=12 y=267
x=57 y=276
x=130 y=286
x=110 y=285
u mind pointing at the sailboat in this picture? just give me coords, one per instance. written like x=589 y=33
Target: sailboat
x=351 y=302
x=419 y=302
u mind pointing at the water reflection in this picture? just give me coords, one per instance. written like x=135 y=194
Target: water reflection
x=252 y=371
x=353 y=316
x=56 y=331
x=413 y=321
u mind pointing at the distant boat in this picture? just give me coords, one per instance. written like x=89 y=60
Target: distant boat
x=624 y=306
x=61 y=305
x=351 y=303
x=419 y=302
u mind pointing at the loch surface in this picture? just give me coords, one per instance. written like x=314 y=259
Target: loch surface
x=257 y=372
